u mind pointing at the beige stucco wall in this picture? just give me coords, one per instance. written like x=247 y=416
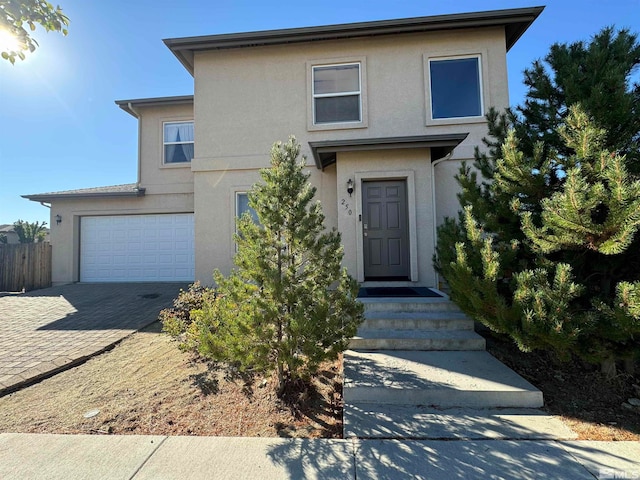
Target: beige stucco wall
x=248 y=98
x=245 y=99
x=154 y=175
x=215 y=212
x=169 y=189
x=65 y=238
x=447 y=188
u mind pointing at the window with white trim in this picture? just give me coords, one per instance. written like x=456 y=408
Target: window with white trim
x=178 y=142
x=337 y=93
x=455 y=87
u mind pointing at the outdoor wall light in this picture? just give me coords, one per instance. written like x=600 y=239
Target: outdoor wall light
x=350 y=187
x=58 y=219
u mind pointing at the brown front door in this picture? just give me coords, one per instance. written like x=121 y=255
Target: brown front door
x=385 y=230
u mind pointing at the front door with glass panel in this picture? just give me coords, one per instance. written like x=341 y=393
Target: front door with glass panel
x=385 y=230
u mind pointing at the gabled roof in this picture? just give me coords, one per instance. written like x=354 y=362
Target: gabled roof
x=125 y=190
x=129 y=106
x=515 y=21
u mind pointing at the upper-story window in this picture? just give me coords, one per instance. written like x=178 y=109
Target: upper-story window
x=178 y=142
x=337 y=93
x=456 y=87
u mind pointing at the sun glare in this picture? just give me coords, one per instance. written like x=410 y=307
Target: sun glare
x=8 y=42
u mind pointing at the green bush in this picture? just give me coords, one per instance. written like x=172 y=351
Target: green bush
x=178 y=320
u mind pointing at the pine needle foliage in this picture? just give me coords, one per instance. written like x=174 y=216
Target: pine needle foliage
x=546 y=248
x=289 y=305
x=599 y=75
x=565 y=282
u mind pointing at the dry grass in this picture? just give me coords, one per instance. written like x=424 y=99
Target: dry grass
x=145 y=385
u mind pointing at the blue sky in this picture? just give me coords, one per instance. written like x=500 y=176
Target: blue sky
x=59 y=127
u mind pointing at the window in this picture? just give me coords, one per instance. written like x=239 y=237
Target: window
x=178 y=142
x=455 y=88
x=337 y=93
x=242 y=206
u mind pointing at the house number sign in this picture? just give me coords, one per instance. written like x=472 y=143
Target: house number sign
x=344 y=203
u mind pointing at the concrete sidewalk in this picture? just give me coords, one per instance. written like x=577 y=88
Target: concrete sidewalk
x=69 y=457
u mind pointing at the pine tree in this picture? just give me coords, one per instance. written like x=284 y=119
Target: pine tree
x=289 y=305
x=598 y=75
x=567 y=283
x=515 y=243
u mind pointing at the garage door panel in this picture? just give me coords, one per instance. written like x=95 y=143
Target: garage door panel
x=165 y=245
x=166 y=259
x=137 y=248
x=119 y=260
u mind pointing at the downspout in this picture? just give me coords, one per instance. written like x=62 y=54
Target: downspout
x=434 y=164
x=137 y=115
x=45 y=205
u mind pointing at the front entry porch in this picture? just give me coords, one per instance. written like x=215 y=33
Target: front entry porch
x=386 y=213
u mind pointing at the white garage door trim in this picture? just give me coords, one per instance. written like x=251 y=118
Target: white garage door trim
x=137 y=248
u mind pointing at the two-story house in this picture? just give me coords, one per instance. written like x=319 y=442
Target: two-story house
x=385 y=112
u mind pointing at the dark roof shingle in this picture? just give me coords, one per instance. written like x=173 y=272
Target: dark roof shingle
x=124 y=190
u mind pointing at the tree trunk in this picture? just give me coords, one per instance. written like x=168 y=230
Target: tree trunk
x=608 y=367
x=281 y=384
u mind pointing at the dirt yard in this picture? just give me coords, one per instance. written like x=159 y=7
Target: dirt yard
x=590 y=404
x=145 y=385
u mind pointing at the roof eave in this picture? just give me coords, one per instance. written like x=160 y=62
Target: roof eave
x=44 y=197
x=129 y=106
x=325 y=152
x=515 y=21
x=185 y=57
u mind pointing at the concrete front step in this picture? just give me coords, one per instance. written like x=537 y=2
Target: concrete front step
x=442 y=379
x=417 y=304
x=434 y=320
x=404 y=339
x=417 y=422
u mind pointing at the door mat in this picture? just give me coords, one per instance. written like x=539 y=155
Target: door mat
x=380 y=292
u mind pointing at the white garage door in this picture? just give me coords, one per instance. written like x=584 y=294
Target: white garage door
x=135 y=248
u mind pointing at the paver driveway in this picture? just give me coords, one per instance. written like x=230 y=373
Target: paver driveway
x=48 y=330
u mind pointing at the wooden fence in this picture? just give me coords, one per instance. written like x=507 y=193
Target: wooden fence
x=25 y=266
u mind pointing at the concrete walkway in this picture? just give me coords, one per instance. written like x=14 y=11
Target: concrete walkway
x=48 y=330
x=69 y=457
x=418 y=371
